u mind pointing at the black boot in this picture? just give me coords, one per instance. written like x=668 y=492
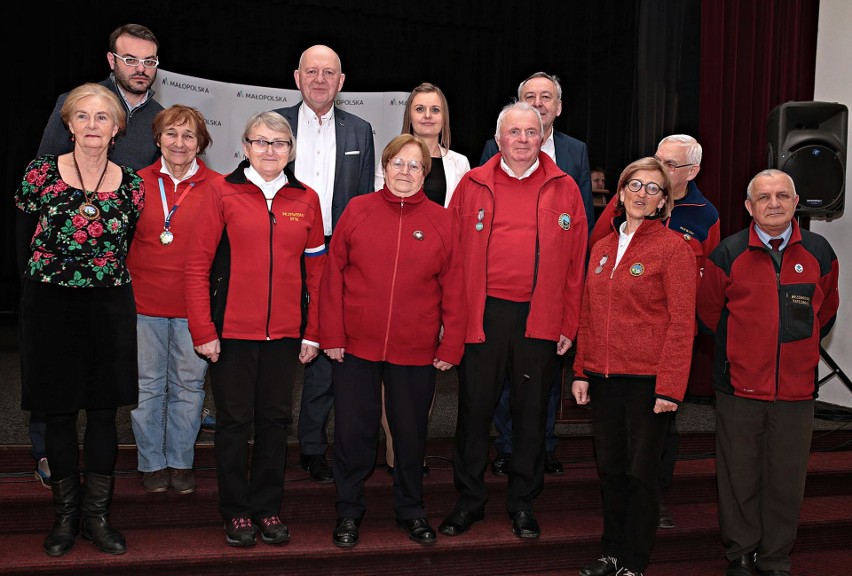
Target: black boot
x=66 y=502
x=97 y=496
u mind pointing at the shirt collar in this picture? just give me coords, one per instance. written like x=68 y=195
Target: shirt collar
x=765 y=238
x=526 y=174
x=268 y=188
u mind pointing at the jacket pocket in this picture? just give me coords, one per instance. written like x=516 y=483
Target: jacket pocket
x=797 y=312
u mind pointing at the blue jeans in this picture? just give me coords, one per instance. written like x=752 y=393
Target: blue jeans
x=171 y=394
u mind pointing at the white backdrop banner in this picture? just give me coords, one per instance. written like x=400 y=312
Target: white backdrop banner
x=227 y=107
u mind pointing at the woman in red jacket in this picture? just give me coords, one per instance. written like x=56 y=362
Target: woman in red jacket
x=167 y=417
x=253 y=234
x=637 y=323
x=392 y=281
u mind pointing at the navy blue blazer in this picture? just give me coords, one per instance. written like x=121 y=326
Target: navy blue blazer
x=355 y=163
x=572 y=157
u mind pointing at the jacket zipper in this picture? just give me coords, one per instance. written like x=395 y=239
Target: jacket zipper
x=393 y=279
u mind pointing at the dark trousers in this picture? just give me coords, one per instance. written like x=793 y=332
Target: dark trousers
x=253 y=388
x=629 y=440
x=761 y=464
x=357 y=416
x=529 y=364
x=503 y=420
x=100 y=443
x=317 y=401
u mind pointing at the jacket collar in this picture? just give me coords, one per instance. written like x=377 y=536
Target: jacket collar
x=238 y=176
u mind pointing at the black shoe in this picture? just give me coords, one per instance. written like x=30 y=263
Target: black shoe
x=741 y=566
x=272 y=531
x=389 y=469
x=603 y=566
x=317 y=467
x=552 y=465
x=458 y=522
x=773 y=572
x=664 y=518
x=426 y=470
x=524 y=524
x=418 y=530
x=345 y=532
x=500 y=466
x=239 y=532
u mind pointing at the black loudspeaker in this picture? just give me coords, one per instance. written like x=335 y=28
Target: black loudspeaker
x=807 y=140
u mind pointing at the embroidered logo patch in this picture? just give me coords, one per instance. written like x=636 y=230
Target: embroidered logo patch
x=799 y=268
x=564 y=221
x=637 y=269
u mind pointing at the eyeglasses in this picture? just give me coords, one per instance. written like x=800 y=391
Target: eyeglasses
x=671 y=165
x=413 y=165
x=651 y=188
x=261 y=145
x=134 y=62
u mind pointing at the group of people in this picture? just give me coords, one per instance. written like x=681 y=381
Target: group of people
x=376 y=275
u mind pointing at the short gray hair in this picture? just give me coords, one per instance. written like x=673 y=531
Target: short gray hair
x=275 y=122
x=552 y=77
x=522 y=106
x=693 y=150
x=770 y=173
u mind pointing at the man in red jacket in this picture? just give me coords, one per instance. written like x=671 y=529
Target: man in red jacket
x=522 y=238
x=769 y=294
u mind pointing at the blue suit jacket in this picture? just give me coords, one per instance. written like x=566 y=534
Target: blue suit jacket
x=354 y=166
x=572 y=157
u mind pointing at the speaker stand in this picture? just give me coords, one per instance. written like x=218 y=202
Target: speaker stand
x=835 y=370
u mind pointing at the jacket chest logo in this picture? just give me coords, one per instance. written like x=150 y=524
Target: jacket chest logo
x=294 y=216
x=637 y=269
x=565 y=221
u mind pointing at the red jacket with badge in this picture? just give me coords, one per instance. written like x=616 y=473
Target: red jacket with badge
x=639 y=318
x=243 y=275
x=768 y=323
x=562 y=236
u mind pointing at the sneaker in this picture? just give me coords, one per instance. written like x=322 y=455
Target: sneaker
x=240 y=532
x=272 y=531
x=156 y=481
x=182 y=481
x=208 y=421
x=42 y=472
x=603 y=566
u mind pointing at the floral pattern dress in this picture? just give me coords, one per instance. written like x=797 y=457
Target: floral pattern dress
x=68 y=249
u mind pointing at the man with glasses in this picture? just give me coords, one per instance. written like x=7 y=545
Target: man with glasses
x=133 y=59
x=697 y=220
x=543 y=92
x=522 y=236
x=335 y=156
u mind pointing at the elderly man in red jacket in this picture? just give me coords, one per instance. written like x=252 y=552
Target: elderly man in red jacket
x=769 y=293
x=522 y=238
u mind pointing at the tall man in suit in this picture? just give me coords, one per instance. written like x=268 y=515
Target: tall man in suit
x=335 y=157
x=543 y=92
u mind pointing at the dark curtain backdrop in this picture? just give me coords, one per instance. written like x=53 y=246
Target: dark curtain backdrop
x=755 y=55
x=629 y=68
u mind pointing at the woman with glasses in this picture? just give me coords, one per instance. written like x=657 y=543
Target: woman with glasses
x=167 y=417
x=427 y=116
x=253 y=271
x=632 y=364
x=391 y=282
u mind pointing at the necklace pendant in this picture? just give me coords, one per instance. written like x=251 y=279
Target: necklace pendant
x=166 y=237
x=89 y=211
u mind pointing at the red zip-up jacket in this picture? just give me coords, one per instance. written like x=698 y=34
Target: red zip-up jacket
x=392 y=280
x=561 y=241
x=768 y=323
x=257 y=285
x=639 y=319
